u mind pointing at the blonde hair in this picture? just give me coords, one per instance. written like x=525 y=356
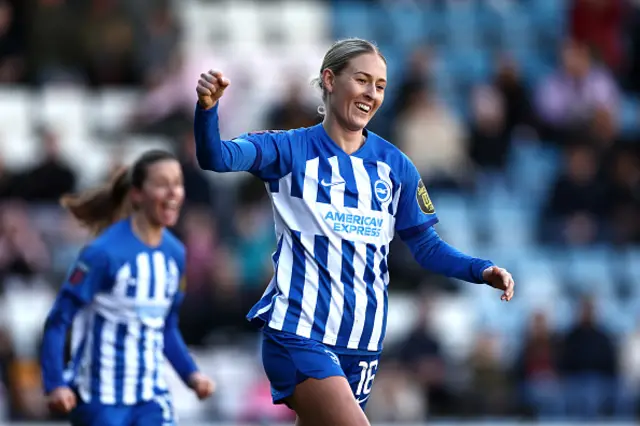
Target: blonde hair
x=337 y=58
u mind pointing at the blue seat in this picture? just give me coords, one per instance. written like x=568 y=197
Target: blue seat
x=407 y=23
x=590 y=271
x=629 y=117
x=354 y=19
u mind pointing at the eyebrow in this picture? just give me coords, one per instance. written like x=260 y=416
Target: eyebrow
x=369 y=75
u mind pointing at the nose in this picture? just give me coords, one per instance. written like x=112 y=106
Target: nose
x=370 y=92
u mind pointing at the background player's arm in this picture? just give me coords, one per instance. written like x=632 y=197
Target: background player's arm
x=85 y=279
x=175 y=349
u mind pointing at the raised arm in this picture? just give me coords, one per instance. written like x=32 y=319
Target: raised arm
x=215 y=154
x=268 y=155
x=211 y=151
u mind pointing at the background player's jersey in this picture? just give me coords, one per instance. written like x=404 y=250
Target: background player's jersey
x=117 y=338
x=335 y=215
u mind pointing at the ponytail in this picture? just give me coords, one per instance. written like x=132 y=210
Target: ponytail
x=97 y=209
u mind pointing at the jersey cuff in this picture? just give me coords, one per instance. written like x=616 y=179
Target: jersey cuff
x=415 y=230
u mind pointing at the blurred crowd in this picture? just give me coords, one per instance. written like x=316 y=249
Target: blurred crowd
x=573 y=111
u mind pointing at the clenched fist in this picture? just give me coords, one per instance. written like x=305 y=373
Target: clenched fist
x=62 y=400
x=201 y=385
x=210 y=88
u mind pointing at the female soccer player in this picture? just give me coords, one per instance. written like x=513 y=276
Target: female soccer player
x=121 y=299
x=339 y=193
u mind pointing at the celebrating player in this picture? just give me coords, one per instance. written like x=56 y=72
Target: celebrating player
x=340 y=193
x=122 y=298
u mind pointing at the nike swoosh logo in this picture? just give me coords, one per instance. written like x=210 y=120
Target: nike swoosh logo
x=360 y=401
x=325 y=183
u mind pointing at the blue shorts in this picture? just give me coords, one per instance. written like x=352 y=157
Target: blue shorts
x=157 y=412
x=289 y=360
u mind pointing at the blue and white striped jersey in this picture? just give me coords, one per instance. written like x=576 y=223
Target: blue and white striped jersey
x=127 y=289
x=335 y=216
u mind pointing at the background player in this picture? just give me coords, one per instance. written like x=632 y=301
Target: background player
x=122 y=297
x=340 y=193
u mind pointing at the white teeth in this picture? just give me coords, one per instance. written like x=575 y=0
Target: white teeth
x=363 y=107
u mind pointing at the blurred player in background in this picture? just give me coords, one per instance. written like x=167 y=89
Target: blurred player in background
x=122 y=298
x=340 y=193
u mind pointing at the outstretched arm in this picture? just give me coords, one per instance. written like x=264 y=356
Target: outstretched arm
x=434 y=254
x=415 y=219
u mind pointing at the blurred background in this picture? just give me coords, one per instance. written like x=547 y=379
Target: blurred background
x=522 y=116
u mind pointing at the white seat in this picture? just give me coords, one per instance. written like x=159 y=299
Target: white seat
x=64 y=110
x=112 y=108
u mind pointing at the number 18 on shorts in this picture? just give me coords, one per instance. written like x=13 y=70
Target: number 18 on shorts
x=289 y=360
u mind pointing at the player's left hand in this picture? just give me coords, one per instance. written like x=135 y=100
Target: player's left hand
x=501 y=279
x=201 y=385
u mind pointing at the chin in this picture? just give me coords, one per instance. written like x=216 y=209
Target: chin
x=169 y=221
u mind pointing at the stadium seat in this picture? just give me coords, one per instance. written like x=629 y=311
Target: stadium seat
x=590 y=271
x=354 y=19
x=112 y=109
x=629 y=116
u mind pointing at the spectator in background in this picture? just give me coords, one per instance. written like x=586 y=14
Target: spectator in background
x=628 y=404
x=51 y=178
x=432 y=137
x=158 y=44
x=537 y=370
x=24 y=259
x=575 y=209
x=490 y=387
x=518 y=107
x=397 y=396
x=623 y=196
x=421 y=354
x=489 y=138
x=567 y=99
x=12 y=43
x=211 y=299
x=292 y=112
x=55 y=46
x=598 y=24
x=23 y=254
x=417 y=77
x=7 y=182
x=589 y=366
x=108 y=43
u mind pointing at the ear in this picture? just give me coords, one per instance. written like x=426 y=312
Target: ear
x=135 y=196
x=328 y=80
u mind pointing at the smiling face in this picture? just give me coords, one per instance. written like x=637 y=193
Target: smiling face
x=356 y=93
x=162 y=193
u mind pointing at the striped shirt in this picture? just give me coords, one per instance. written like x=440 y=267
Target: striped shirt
x=335 y=216
x=126 y=291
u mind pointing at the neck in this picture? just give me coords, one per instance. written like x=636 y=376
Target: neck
x=350 y=141
x=147 y=232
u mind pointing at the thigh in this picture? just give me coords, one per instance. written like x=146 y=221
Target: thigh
x=158 y=412
x=360 y=371
x=290 y=360
x=327 y=401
